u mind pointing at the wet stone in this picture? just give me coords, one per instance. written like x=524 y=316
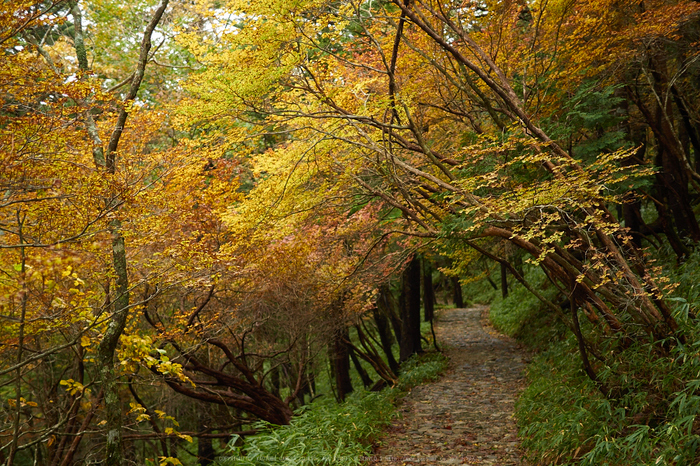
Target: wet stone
x=466 y=417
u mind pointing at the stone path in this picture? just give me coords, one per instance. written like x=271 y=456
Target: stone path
x=466 y=417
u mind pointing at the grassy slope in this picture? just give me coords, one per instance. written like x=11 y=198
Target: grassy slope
x=563 y=418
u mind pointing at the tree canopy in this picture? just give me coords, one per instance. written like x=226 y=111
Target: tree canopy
x=221 y=201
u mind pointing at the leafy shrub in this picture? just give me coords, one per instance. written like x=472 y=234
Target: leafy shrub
x=651 y=416
x=522 y=312
x=328 y=433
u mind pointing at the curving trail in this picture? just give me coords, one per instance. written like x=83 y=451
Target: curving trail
x=466 y=417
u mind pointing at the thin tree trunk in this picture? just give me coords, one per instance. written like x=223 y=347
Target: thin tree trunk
x=587 y=367
x=490 y=280
x=366 y=381
x=151 y=418
x=387 y=304
x=275 y=384
x=107 y=160
x=504 y=281
x=205 y=449
x=68 y=458
x=457 y=298
x=428 y=292
x=410 y=343
x=385 y=338
x=20 y=347
x=372 y=357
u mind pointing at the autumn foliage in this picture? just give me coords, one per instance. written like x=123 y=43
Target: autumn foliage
x=218 y=205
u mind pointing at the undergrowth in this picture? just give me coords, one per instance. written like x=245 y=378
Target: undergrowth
x=329 y=433
x=652 y=418
x=521 y=313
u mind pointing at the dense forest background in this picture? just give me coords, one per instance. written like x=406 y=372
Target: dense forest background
x=215 y=212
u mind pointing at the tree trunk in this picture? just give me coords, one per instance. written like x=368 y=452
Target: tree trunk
x=256 y=400
x=366 y=381
x=275 y=384
x=457 y=298
x=632 y=209
x=386 y=304
x=385 y=338
x=504 y=280
x=17 y=415
x=107 y=348
x=673 y=193
x=369 y=353
x=410 y=343
x=341 y=363
x=675 y=167
x=675 y=188
x=428 y=292
x=205 y=449
x=106 y=160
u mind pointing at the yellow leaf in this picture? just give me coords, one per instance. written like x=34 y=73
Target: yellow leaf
x=164 y=460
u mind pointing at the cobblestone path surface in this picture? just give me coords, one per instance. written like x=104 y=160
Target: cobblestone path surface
x=466 y=417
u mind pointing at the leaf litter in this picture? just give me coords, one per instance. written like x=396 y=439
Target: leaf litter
x=466 y=417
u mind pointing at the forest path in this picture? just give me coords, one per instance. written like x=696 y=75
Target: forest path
x=466 y=417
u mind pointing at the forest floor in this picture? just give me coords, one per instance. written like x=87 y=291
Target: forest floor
x=466 y=417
